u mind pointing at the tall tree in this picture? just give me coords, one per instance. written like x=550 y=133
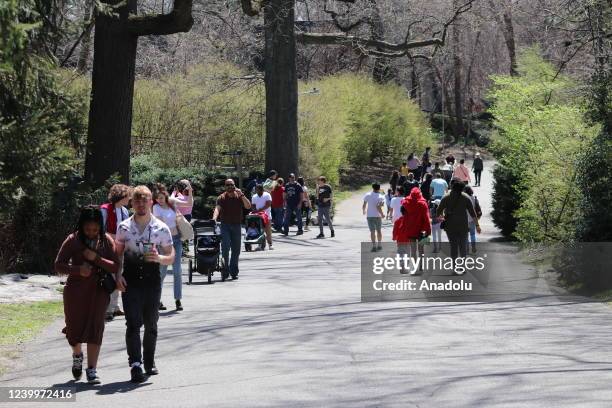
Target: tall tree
x=280 y=80
x=459 y=129
x=505 y=21
x=112 y=85
x=280 y=74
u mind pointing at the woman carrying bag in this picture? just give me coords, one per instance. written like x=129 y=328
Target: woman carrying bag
x=88 y=257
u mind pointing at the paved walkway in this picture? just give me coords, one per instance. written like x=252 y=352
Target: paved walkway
x=292 y=332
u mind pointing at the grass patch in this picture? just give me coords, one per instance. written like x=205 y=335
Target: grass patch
x=20 y=322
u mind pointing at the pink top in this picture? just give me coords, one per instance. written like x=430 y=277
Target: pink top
x=182 y=205
x=462 y=173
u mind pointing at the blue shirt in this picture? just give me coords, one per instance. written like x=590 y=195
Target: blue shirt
x=439 y=186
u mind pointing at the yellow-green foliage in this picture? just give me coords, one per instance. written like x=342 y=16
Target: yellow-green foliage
x=541 y=132
x=353 y=120
x=189 y=119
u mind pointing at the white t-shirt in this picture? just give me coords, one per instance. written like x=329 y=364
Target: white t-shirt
x=260 y=202
x=374 y=200
x=396 y=204
x=166 y=215
x=129 y=235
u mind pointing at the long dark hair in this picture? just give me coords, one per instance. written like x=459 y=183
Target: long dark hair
x=457 y=187
x=90 y=213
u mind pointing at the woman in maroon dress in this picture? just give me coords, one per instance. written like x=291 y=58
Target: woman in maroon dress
x=84 y=255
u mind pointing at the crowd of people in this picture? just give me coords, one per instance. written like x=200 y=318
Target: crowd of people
x=114 y=250
x=424 y=199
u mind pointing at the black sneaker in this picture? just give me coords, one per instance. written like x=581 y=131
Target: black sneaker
x=235 y=277
x=151 y=370
x=300 y=233
x=320 y=236
x=109 y=317
x=333 y=234
x=179 y=307
x=162 y=307
x=77 y=366
x=92 y=376
x=137 y=374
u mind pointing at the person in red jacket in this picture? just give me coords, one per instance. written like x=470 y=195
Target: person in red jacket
x=417 y=223
x=400 y=236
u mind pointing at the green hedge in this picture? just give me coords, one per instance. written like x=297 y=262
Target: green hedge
x=207 y=185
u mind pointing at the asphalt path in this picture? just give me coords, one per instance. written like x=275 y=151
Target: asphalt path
x=292 y=332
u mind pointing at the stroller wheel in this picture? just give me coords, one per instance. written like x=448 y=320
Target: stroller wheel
x=262 y=245
x=247 y=247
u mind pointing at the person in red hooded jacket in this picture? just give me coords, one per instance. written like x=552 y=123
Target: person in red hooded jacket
x=400 y=236
x=416 y=222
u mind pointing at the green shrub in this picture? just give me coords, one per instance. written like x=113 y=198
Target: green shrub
x=352 y=120
x=505 y=200
x=207 y=185
x=541 y=132
x=42 y=126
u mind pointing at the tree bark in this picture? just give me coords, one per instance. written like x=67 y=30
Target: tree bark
x=112 y=92
x=112 y=83
x=381 y=72
x=458 y=88
x=507 y=26
x=281 y=87
x=509 y=37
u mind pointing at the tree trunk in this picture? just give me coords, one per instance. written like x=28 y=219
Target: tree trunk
x=112 y=90
x=382 y=72
x=458 y=94
x=507 y=25
x=509 y=37
x=414 y=84
x=281 y=87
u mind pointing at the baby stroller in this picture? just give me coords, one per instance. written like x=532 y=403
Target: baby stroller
x=255 y=231
x=207 y=247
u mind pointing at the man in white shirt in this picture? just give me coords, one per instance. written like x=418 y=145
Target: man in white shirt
x=372 y=208
x=262 y=201
x=143 y=243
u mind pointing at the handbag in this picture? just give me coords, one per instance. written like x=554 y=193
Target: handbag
x=184 y=227
x=106 y=281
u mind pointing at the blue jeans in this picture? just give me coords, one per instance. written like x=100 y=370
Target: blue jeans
x=231 y=239
x=176 y=268
x=472 y=227
x=289 y=211
x=278 y=216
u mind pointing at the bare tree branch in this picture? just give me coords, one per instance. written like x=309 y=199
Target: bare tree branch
x=383 y=48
